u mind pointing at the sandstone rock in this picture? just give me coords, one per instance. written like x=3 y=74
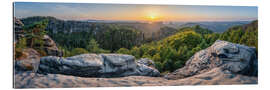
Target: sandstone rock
x=50 y=47
x=28 y=61
x=235 y=58
x=93 y=65
x=215 y=76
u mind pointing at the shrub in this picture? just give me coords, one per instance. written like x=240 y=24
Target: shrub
x=77 y=51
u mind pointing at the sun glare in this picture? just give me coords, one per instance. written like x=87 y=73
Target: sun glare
x=152 y=17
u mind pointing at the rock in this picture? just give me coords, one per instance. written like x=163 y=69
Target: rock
x=50 y=47
x=82 y=65
x=233 y=58
x=28 y=61
x=18 y=28
x=215 y=76
x=147 y=71
x=93 y=65
x=147 y=62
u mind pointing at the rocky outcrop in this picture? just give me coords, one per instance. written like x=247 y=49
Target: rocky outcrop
x=93 y=65
x=227 y=57
x=18 y=28
x=29 y=60
x=50 y=47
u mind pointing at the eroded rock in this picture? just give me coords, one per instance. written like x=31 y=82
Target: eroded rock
x=93 y=65
x=235 y=58
x=50 y=47
x=29 y=60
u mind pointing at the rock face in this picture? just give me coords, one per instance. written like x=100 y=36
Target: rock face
x=228 y=57
x=93 y=65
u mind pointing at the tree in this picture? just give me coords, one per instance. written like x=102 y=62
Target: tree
x=35 y=33
x=93 y=46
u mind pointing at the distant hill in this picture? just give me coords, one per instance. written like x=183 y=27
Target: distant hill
x=215 y=26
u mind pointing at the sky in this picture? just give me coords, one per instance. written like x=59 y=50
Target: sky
x=135 y=12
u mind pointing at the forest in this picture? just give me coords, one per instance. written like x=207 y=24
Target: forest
x=169 y=49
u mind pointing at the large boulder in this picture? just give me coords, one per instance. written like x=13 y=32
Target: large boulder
x=93 y=65
x=229 y=57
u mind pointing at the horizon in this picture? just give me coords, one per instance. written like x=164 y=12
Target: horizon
x=136 y=12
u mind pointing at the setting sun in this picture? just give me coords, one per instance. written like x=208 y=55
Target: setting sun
x=152 y=17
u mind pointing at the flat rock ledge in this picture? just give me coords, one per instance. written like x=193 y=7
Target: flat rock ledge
x=214 y=77
x=96 y=65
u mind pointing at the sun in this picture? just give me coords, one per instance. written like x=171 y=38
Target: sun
x=152 y=17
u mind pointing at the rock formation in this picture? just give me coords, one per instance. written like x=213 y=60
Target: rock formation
x=18 y=29
x=93 y=65
x=228 y=57
x=29 y=60
x=50 y=47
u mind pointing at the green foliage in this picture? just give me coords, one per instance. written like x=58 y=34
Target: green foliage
x=187 y=38
x=108 y=37
x=34 y=34
x=21 y=43
x=201 y=30
x=93 y=47
x=33 y=38
x=77 y=51
x=170 y=53
x=247 y=34
x=123 y=51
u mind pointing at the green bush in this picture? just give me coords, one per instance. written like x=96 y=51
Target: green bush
x=77 y=51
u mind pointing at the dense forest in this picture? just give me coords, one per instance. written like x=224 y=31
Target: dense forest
x=170 y=48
